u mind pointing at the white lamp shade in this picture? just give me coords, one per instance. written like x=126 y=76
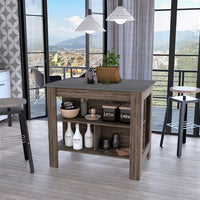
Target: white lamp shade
x=120 y=15
x=89 y=25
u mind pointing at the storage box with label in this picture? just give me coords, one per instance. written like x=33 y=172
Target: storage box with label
x=110 y=113
x=125 y=113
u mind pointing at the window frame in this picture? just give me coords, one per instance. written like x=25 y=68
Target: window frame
x=172 y=54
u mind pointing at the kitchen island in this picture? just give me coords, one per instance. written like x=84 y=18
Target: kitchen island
x=136 y=135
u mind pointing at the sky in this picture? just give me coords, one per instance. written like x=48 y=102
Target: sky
x=186 y=20
x=65 y=15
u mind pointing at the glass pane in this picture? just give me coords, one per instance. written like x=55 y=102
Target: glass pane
x=186 y=63
x=36 y=77
x=96 y=60
x=160 y=62
x=162 y=4
x=37 y=102
x=67 y=57
x=96 y=39
x=34 y=34
x=189 y=4
x=96 y=5
x=99 y=19
x=160 y=87
x=33 y=7
x=77 y=72
x=57 y=71
x=63 y=17
x=161 y=32
x=187 y=35
x=158 y=114
x=185 y=78
x=35 y=59
x=96 y=42
x=160 y=99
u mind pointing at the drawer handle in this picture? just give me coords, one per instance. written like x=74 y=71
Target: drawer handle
x=2 y=84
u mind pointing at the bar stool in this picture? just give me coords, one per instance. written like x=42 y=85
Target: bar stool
x=183 y=124
x=10 y=106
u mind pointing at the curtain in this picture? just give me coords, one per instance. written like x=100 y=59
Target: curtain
x=133 y=41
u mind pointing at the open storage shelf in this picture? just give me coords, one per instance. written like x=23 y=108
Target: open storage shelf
x=82 y=120
x=100 y=152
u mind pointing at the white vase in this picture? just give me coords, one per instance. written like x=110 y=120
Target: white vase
x=69 y=136
x=88 y=137
x=77 y=139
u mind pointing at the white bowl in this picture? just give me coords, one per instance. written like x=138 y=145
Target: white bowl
x=69 y=113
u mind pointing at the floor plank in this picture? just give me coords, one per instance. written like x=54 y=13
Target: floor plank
x=91 y=177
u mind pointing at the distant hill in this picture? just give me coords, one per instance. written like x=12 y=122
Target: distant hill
x=76 y=43
x=161 y=42
x=183 y=38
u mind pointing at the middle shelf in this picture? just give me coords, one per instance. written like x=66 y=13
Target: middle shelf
x=82 y=120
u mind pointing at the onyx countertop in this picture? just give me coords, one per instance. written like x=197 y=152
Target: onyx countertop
x=123 y=86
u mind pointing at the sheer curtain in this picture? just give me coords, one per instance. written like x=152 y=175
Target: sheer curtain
x=133 y=41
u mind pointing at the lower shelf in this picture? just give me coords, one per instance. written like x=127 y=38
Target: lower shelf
x=100 y=152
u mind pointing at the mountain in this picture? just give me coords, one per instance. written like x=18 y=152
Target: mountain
x=76 y=43
x=161 y=41
x=79 y=43
x=183 y=38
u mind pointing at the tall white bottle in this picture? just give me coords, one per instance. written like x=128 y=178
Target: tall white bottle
x=69 y=136
x=77 y=139
x=88 y=137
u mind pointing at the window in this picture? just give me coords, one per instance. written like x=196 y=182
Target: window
x=67 y=48
x=34 y=49
x=176 y=52
x=53 y=47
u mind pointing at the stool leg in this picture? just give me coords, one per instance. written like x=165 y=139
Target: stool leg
x=27 y=146
x=185 y=119
x=9 y=118
x=199 y=114
x=166 y=120
x=23 y=134
x=198 y=121
x=180 y=130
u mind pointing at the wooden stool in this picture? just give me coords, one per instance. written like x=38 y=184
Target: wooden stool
x=10 y=106
x=182 y=125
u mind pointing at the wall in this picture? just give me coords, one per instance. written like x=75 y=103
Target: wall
x=10 y=44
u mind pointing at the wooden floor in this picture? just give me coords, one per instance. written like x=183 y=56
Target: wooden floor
x=89 y=177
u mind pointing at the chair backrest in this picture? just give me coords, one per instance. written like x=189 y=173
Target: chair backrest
x=39 y=78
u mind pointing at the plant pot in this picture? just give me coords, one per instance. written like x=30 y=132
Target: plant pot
x=108 y=74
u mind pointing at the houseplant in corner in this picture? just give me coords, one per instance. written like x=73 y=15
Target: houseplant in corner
x=109 y=71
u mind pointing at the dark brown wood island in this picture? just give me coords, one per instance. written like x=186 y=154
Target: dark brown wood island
x=136 y=135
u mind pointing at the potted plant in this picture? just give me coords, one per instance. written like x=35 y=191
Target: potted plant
x=108 y=72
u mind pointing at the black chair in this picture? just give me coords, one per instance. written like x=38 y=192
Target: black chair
x=9 y=106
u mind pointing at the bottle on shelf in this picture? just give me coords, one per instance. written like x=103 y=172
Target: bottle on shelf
x=83 y=107
x=88 y=137
x=69 y=136
x=115 y=141
x=90 y=75
x=77 y=139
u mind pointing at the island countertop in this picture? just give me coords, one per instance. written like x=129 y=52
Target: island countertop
x=123 y=86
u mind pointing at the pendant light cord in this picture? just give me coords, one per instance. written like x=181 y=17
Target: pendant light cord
x=120 y=2
x=89 y=12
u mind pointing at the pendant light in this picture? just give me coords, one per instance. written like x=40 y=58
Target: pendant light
x=89 y=25
x=120 y=15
